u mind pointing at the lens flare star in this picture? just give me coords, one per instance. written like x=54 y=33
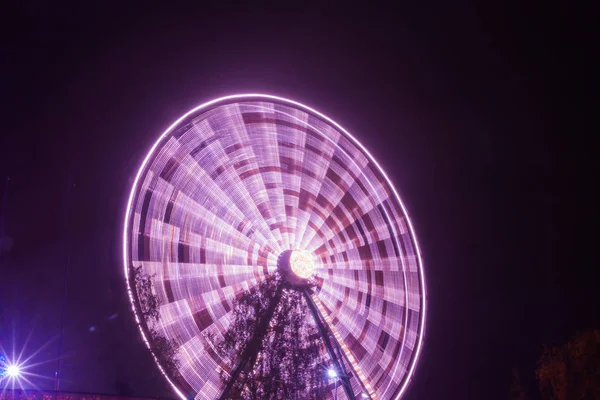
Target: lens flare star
x=19 y=363
x=10 y=373
x=13 y=371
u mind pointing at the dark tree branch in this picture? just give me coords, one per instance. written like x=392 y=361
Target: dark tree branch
x=147 y=305
x=254 y=345
x=287 y=353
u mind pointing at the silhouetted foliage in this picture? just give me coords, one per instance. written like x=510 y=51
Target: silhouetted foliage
x=164 y=350
x=571 y=371
x=248 y=310
x=287 y=363
x=148 y=302
x=516 y=387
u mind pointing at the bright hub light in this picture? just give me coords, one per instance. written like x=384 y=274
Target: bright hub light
x=331 y=373
x=302 y=263
x=13 y=371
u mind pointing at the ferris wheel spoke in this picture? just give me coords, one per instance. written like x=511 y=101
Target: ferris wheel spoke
x=362 y=229
x=252 y=211
x=380 y=255
x=188 y=183
x=343 y=186
x=201 y=250
x=194 y=279
x=369 y=224
x=368 y=197
x=268 y=152
x=389 y=286
x=241 y=148
x=176 y=215
x=319 y=148
x=357 y=305
x=289 y=153
x=291 y=143
x=221 y=162
x=229 y=286
x=351 y=261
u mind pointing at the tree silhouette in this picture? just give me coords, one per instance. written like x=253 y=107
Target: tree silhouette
x=273 y=338
x=516 y=387
x=148 y=304
x=571 y=371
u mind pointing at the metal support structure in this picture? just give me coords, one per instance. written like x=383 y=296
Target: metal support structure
x=326 y=334
x=342 y=355
x=253 y=347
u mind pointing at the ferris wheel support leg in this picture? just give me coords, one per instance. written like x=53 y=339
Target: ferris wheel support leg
x=326 y=335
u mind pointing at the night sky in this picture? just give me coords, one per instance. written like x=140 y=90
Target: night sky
x=482 y=117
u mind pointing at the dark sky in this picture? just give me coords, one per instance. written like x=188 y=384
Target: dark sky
x=481 y=116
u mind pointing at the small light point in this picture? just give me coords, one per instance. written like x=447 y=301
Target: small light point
x=13 y=371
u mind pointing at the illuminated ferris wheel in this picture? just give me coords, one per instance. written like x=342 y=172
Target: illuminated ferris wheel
x=253 y=205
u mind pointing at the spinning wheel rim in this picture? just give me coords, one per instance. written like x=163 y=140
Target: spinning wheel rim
x=261 y=97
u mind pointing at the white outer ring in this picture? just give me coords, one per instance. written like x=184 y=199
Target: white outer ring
x=329 y=120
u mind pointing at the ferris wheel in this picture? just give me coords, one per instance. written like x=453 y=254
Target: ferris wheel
x=256 y=195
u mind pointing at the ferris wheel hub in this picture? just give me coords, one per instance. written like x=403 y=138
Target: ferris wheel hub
x=296 y=267
x=302 y=263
